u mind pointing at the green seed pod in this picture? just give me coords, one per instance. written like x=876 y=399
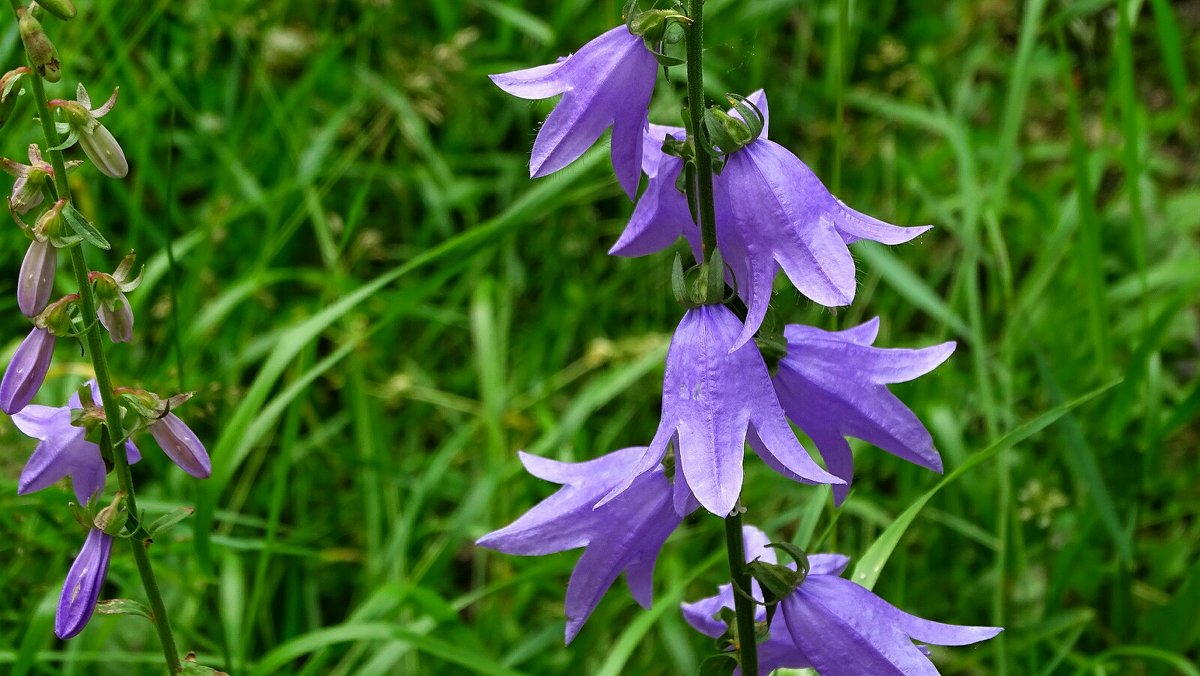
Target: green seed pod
x=42 y=54
x=63 y=9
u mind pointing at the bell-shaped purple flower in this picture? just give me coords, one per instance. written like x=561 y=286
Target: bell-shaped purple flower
x=62 y=451
x=27 y=370
x=713 y=394
x=833 y=385
x=37 y=277
x=836 y=626
x=181 y=445
x=772 y=212
x=607 y=83
x=82 y=587
x=623 y=535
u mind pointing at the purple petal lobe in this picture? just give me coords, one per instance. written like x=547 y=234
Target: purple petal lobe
x=82 y=586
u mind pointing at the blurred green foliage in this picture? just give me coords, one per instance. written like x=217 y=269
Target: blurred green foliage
x=288 y=155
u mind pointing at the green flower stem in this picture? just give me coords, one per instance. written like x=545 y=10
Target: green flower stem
x=112 y=411
x=703 y=187
x=744 y=607
x=695 y=104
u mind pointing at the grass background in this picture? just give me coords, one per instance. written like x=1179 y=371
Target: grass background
x=347 y=261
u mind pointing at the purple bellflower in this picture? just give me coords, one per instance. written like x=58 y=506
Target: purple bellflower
x=833 y=384
x=181 y=445
x=27 y=370
x=625 y=534
x=607 y=83
x=63 y=451
x=772 y=212
x=836 y=626
x=713 y=394
x=83 y=584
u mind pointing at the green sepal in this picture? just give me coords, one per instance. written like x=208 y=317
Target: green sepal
x=124 y=607
x=676 y=148
x=721 y=664
x=81 y=514
x=679 y=283
x=751 y=115
x=798 y=555
x=84 y=228
x=112 y=518
x=666 y=60
x=713 y=278
x=165 y=522
x=776 y=581
x=724 y=132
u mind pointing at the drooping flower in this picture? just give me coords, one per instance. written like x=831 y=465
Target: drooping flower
x=833 y=384
x=181 y=445
x=82 y=124
x=772 y=212
x=837 y=627
x=607 y=83
x=713 y=395
x=112 y=306
x=623 y=535
x=82 y=586
x=27 y=370
x=30 y=180
x=36 y=279
x=62 y=450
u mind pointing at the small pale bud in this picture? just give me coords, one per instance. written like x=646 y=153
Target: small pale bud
x=113 y=307
x=37 y=277
x=103 y=150
x=42 y=54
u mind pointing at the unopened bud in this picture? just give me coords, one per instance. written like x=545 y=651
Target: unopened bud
x=42 y=54
x=62 y=9
x=50 y=224
x=26 y=371
x=112 y=307
x=37 y=277
x=10 y=86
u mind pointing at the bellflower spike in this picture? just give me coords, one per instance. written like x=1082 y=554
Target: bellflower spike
x=607 y=83
x=63 y=451
x=27 y=370
x=713 y=394
x=83 y=124
x=625 y=534
x=833 y=384
x=772 y=212
x=836 y=626
x=36 y=280
x=181 y=445
x=83 y=584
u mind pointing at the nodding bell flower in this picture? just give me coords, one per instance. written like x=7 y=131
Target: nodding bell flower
x=31 y=361
x=181 y=445
x=37 y=277
x=31 y=179
x=63 y=449
x=82 y=586
x=112 y=307
x=82 y=124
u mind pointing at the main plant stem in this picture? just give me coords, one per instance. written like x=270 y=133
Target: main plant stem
x=114 y=440
x=706 y=213
x=695 y=103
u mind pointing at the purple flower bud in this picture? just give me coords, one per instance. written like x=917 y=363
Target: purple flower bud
x=37 y=278
x=182 y=445
x=117 y=318
x=83 y=584
x=26 y=371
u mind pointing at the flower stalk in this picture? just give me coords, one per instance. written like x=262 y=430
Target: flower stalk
x=735 y=546
x=703 y=184
x=95 y=349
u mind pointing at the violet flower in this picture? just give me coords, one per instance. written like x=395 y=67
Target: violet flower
x=27 y=370
x=36 y=279
x=607 y=83
x=713 y=394
x=772 y=212
x=625 y=534
x=836 y=626
x=833 y=384
x=83 y=583
x=62 y=450
x=82 y=124
x=181 y=445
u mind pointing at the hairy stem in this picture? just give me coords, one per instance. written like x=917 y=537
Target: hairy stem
x=94 y=342
x=735 y=546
